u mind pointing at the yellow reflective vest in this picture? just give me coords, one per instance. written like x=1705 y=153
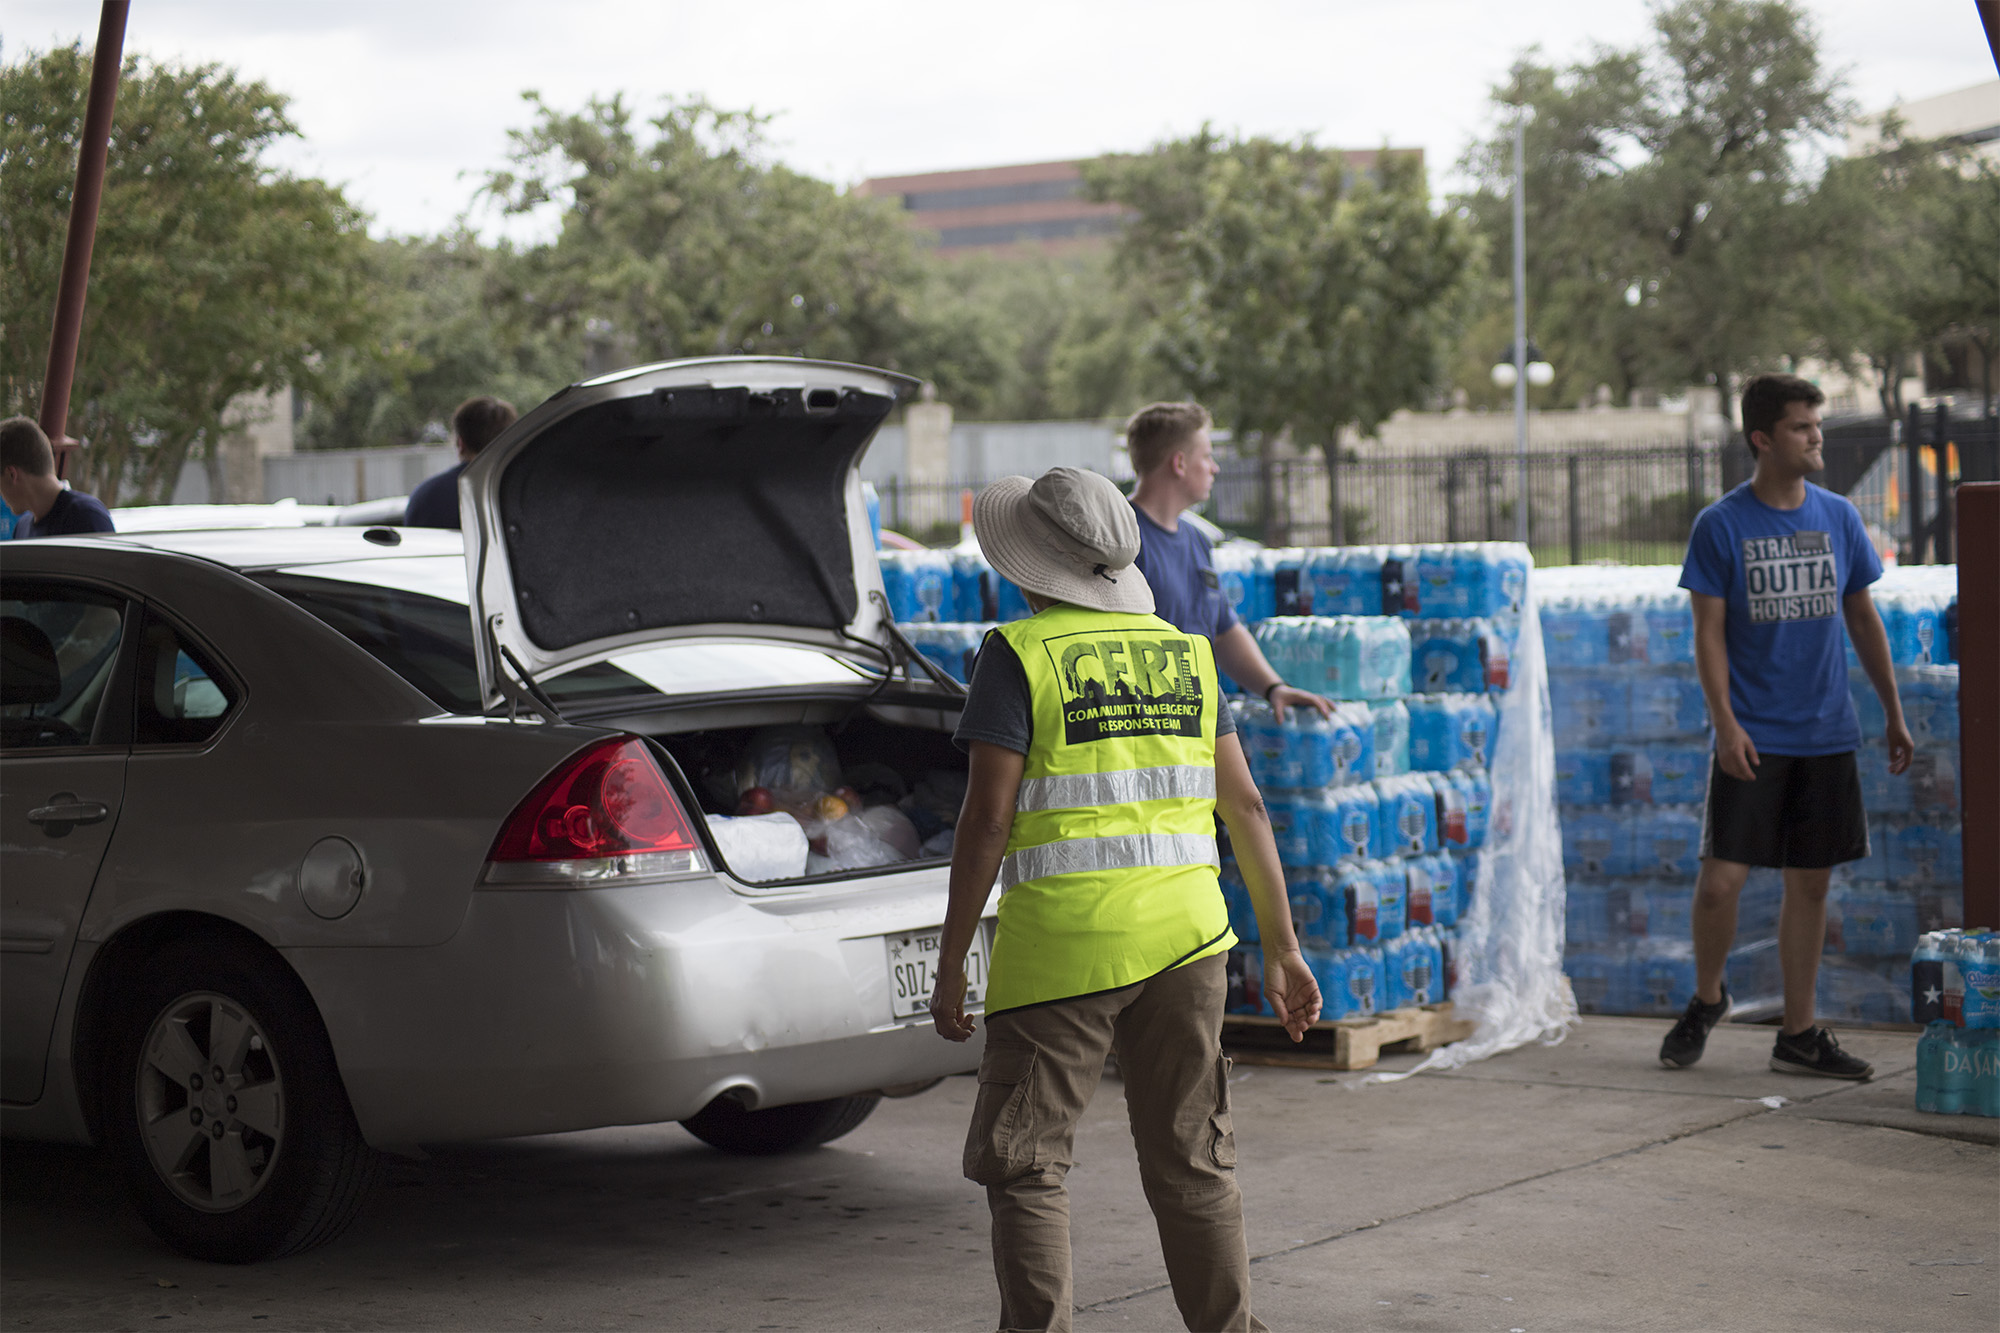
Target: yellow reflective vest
x=1110 y=871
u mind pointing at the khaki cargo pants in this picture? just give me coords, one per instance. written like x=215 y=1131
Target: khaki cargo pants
x=1040 y=1068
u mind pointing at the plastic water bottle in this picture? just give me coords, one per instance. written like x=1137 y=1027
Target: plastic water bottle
x=1407 y=825
x=1597 y=842
x=1253 y=722
x=1954 y=980
x=1351 y=744
x=1927 y=978
x=1392 y=737
x=1245 y=971
x=1358 y=900
x=1319 y=918
x=1439 y=593
x=1391 y=898
x=1236 y=898
x=1235 y=572
x=1331 y=577
x=1289 y=828
x=1980 y=965
x=1385 y=672
x=1012 y=601
x=1312 y=737
x=1365 y=580
x=872 y=498
x=1669 y=629
x=1445 y=655
x=1401 y=587
x=1291 y=590
x=1449 y=797
x=1356 y=811
x=1507 y=566
x=1478 y=789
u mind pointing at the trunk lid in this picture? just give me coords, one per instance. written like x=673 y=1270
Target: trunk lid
x=714 y=498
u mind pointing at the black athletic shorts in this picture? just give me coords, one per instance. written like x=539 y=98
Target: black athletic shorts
x=1802 y=811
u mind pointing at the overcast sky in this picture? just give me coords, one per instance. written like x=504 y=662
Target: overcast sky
x=408 y=103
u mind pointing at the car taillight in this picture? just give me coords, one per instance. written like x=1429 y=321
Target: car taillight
x=606 y=815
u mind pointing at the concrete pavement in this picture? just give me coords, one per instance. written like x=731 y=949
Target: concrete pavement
x=1570 y=1187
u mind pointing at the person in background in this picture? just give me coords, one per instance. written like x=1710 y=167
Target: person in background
x=434 y=504
x=44 y=504
x=1171 y=453
x=1774 y=568
x=1101 y=752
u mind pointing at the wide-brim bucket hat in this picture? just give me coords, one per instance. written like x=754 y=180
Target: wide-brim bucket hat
x=1069 y=534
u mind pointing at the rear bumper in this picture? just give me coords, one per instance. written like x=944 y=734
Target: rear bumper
x=564 y=1010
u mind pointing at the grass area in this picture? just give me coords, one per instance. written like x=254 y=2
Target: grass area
x=1612 y=553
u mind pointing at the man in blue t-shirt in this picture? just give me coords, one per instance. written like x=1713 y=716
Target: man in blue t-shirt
x=29 y=484
x=434 y=504
x=1170 y=450
x=1774 y=568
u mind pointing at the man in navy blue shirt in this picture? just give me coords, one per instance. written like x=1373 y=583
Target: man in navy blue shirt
x=29 y=485
x=1170 y=450
x=1774 y=569
x=434 y=504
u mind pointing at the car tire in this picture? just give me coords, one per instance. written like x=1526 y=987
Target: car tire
x=265 y=1161
x=724 y=1124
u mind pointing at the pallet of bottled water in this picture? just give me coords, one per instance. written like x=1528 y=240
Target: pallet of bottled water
x=1632 y=759
x=1955 y=994
x=1380 y=811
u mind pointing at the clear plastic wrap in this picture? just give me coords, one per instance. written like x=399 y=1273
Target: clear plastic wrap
x=1510 y=950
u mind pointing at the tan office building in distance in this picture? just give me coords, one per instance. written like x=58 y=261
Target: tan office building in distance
x=1036 y=206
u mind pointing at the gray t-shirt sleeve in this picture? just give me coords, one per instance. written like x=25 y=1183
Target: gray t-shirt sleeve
x=999 y=710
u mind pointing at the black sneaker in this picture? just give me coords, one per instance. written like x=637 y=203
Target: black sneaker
x=1684 y=1044
x=1815 y=1052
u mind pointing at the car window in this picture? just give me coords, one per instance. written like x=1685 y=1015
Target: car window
x=180 y=697
x=427 y=640
x=60 y=646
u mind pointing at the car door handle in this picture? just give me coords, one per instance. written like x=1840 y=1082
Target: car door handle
x=64 y=809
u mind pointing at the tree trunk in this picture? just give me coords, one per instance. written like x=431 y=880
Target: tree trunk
x=1336 y=511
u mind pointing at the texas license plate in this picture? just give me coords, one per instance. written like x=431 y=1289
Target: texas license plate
x=913 y=965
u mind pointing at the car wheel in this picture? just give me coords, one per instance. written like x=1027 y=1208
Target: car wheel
x=724 y=1124
x=224 y=1106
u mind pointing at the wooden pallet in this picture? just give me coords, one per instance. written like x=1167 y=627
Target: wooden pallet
x=1343 y=1043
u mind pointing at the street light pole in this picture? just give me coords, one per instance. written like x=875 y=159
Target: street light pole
x=1520 y=338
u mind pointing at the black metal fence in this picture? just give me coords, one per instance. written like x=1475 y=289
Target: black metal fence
x=1630 y=503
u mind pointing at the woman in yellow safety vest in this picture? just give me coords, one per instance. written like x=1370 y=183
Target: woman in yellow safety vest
x=1101 y=752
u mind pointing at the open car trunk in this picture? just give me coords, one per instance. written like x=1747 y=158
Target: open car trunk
x=809 y=789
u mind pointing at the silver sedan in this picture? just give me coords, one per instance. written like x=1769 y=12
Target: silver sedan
x=324 y=842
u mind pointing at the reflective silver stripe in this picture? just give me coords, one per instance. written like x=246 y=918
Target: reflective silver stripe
x=1075 y=791
x=1120 y=853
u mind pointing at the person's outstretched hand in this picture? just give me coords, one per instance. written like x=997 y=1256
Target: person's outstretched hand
x=1284 y=697
x=1291 y=992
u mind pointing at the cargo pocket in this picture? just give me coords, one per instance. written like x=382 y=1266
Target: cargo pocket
x=1001 y=1143
x=1222 y=1132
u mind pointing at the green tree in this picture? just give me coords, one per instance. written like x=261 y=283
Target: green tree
x=1885 y=291
x=1289 y=293
x=679 y=237
x=432 y=346
x=1065 y=339
x=214 y=274
x=1669 y=196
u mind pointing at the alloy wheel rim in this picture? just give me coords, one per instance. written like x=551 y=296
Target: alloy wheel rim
x=210 y=1100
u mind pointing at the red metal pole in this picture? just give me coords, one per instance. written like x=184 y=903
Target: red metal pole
x=1979 y=697
x=83 y=203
